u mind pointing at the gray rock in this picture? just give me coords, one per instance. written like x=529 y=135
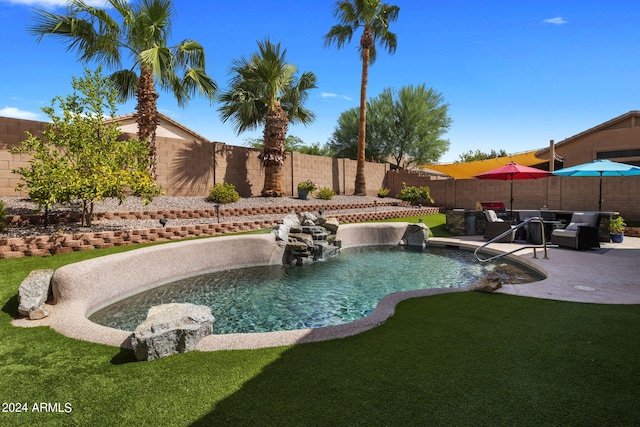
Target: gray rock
x=307 y=218
x=281 y=231
x=331 y=224
x=489 y=283
x=171 y=329
x=415 y=235
x=33 y=293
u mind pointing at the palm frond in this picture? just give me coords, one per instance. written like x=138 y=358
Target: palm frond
x=125 y=82
x=191 y=53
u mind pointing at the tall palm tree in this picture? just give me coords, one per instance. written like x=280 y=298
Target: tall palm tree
x=374 y=18
x=141 y=31
x=265 y=91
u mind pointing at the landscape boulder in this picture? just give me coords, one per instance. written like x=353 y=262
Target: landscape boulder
x=416 y=235
x=490 y=283
x=32 y=294
x=171 y=329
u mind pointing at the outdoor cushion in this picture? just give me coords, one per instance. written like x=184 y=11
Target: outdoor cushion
x=575 y=225
x=491 y=216
x=589 y=218
x=565 y=233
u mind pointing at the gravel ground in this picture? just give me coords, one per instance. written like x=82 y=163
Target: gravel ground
x=21 y=206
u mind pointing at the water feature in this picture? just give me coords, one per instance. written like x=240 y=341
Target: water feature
x=340 y=290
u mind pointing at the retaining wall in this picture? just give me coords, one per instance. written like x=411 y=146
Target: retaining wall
x=15 y=247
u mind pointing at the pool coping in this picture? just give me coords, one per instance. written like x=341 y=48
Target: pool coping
x=76 y=285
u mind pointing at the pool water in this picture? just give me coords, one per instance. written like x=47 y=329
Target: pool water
x=340 y=290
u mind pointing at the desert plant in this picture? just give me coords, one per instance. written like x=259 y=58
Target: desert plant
x=383 y=191
x=617 y=225
x=3 y=215
x=325 y=194
x=307 y=185
x=223 y=193
x=415 y=194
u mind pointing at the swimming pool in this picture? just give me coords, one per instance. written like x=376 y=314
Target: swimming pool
x=341 y=290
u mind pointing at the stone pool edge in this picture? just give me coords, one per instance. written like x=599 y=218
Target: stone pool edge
x=80 y=289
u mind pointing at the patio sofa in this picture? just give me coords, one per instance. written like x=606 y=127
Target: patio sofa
x=580 y=233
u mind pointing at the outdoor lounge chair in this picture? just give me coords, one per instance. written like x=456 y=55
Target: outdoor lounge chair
x=581 y=233
x=496 y=226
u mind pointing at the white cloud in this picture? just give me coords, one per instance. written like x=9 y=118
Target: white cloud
x=18 y=114
x=334 y=95
x=558 y=20
x=53 y=3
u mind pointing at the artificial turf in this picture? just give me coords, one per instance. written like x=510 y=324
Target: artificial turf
x=455 y=359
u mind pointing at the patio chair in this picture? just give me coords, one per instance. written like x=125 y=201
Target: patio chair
x=496 y=226
x=581 y=233
x=532 y=231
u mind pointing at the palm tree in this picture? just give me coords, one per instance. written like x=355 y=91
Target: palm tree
x=374 y=17
x=141 y=31
x=265 y=91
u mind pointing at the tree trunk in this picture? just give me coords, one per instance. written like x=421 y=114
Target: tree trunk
x=366 y=42
x=147 y=117
x=273 y=154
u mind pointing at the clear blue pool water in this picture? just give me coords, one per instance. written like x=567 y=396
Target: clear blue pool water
x=340 y=290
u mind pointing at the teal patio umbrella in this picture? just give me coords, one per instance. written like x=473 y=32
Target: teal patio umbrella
x=600 y=168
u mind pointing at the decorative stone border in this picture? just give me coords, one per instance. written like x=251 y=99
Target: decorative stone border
x=16 y=247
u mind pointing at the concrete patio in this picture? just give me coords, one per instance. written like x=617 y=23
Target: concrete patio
x=606 y=275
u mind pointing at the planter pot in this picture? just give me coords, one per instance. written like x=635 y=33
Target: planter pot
x=616 y=238
x=303 y=194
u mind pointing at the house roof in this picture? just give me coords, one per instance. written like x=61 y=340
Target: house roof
x=162 y=118
x=467 y=170
x=610 y=124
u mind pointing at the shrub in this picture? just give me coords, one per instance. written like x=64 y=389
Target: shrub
x=3 y=215
x=616 y=226
x=383 y=191
x=307 y=185
x=223 y=193
x=325 y=194
x=415 y=194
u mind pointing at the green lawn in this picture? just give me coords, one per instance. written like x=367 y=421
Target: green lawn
x=454 y=359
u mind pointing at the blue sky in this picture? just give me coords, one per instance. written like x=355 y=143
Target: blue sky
x=515 y=73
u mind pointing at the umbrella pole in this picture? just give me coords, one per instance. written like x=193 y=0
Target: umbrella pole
x=511 y=201
x=600 y=196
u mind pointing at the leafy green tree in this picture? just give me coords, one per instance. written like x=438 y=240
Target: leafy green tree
x=294 y=143
x=317 y=150
x=291 y=143
x=140 y=32
x=374 y=17
x=474 y=155
x=409 y=124
x=80 y=157
x=344 y=140
x=264 y=91
x=406 y=124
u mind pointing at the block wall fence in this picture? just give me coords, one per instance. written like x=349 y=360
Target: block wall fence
x=191 y=167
